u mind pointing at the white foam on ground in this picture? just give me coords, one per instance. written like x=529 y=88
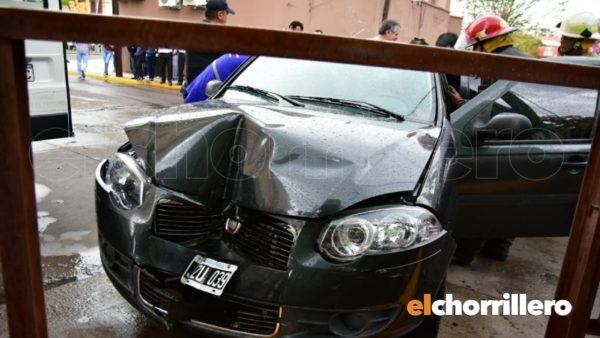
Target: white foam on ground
x=44 y=220
x=41 y=192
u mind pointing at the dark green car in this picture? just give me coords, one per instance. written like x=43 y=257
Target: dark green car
x=314 y=199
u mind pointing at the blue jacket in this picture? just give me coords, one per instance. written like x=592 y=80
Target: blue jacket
x=220 y=69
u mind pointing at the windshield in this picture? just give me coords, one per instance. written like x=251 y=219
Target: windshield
x=403 y=92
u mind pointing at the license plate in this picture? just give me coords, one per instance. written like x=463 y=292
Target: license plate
x=208 y=275
x=30 y=73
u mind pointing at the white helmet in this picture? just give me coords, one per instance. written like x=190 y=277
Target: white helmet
x=582 y=25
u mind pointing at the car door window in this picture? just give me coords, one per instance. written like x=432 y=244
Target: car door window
x=556 y=113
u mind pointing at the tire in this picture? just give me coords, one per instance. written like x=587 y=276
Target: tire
x=430 y=326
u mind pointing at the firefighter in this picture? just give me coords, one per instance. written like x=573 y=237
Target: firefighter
x=491 y=34
x=487 y=34
x=579 y=35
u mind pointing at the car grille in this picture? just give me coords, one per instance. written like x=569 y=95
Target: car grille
x=185 y=219
x=267 y=241
x=159 y=291
x=256 y=319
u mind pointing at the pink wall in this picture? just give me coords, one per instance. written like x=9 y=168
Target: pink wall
x=420 y=19
x=455 y=25
x=340 y=17
x=360 y=18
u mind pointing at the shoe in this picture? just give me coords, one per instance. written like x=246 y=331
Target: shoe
x=170 y=83
x=83 y=74
x=466 y=250
x=162 y=82
x=497 y=249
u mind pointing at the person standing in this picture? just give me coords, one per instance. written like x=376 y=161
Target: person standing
x=164 y=65
x=180 y=65
x=217 y=12
x=579 y=34
x=296 y=26
x=107 y=55
x=389 y=30
x=418 y=41
x=448 y=40
x=139 y=55
x=150 y=59
x=487 y=34
x=132 y=63
x=83 y=52
x=219 y=70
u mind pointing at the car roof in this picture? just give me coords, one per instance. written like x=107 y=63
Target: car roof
x=582 y=60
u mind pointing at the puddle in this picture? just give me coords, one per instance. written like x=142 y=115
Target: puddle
x=60 y=270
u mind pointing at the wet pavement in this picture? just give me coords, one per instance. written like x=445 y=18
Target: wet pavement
x=80 y=300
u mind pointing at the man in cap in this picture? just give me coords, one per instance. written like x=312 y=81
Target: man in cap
x=217 y=12
x=579 y=35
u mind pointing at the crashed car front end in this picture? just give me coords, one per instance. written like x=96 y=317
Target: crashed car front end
x=253 y=220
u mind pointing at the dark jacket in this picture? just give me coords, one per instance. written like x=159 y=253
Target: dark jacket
x=512 y=51
x=509 y=51
x=196 y=62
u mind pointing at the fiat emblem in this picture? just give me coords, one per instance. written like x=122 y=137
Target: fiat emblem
x=232 y=226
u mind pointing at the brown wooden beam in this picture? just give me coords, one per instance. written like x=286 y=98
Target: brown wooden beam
x=580 y=272
x=124 y=31
x=19 y=243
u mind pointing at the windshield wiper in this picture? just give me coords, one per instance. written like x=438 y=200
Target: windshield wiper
x=351 y=103
x=420 y=102
x=264 y=93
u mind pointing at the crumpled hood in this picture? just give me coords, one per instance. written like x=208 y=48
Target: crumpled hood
x=289 y=161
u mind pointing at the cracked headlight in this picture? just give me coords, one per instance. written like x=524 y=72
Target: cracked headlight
x=379 y=231
x=126 y=181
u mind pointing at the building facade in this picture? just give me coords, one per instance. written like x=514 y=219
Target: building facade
x=356 y=18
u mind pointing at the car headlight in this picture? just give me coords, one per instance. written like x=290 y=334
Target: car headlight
x=126 y=181
x=379 y=231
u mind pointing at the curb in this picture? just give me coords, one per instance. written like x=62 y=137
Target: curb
x=127 y=82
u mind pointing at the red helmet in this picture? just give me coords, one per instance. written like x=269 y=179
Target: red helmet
x=485 y=28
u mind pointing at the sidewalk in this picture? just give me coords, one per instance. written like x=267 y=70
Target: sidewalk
x=95 y=70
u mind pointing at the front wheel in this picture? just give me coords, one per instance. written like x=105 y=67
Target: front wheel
x=430 y=326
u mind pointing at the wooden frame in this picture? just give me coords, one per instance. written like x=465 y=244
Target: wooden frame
x=19 y=242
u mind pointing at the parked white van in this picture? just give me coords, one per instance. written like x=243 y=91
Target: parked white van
x=46 y=72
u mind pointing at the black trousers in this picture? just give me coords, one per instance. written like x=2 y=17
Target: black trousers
x=165 y=67
x=139 y=66
x=180 y=67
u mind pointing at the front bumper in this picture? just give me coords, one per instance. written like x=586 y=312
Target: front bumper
x=310 y=297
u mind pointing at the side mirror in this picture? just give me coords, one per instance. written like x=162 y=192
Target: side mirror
x=504 y=126
x=212 y=87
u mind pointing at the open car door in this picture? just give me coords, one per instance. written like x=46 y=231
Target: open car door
x=521 y=154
